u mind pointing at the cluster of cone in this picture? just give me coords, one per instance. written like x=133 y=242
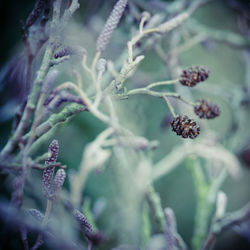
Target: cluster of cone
x=183 y=125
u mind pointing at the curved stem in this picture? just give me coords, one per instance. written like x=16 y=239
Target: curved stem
x=171 y=108
x=156 y=84
x=147 y=91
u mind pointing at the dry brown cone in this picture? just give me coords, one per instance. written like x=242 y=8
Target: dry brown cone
x=193 y=75
x=185 y=127
x=207 y=110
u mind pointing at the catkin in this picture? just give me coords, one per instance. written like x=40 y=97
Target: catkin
x=110 y=25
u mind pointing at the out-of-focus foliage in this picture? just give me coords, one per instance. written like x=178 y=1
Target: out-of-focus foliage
x=217 y=36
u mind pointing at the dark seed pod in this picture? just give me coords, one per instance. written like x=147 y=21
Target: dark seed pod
x=206 y=110
x=193 y=75
x=185 y=127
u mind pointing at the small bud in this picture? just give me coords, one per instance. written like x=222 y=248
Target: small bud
x=36 y=214
x=101 y=65
x=146 y=15
x=207 y=110
x=221 y=204
x=185 y=127
x=170 y=230
x=170 y=219
x=193 y=75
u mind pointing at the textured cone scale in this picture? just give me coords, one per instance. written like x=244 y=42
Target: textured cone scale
x=193 y=75
x=206 y=110
x=185 y=127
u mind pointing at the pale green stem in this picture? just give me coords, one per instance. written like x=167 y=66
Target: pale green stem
x=171 y=108
x=206 y=197
x=154 y=202
x=146 y=91
x=156 y=84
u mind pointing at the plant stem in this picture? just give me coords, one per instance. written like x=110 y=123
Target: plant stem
x=203 y=209
x=206 y=197
x=169 y=106
x=154 y=202
x=39 y=240
x=146 y=91
x=156 y=84
x=35 y=93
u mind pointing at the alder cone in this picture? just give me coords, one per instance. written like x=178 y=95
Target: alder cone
x=185 y=127
x=206 y=110
x=193 y=75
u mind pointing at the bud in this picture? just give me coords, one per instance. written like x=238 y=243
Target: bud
x=36 y=214
x=193 y=75
x=221 y=204
x=185 y=127
x=207 y=110
x=101 y=65
x=146 y=15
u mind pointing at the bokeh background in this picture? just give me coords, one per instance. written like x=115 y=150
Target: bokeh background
x=228 y=86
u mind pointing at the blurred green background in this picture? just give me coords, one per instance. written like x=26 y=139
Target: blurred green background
x=145 y=115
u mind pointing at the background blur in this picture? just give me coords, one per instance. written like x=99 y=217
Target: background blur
x=228 y=86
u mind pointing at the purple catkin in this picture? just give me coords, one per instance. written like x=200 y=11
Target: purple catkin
x=47 y=179
x=83 y=223
x=47 y=182
x=17 y=193
x=49 y=80
x=46 y=12
x=36 y=214
x=56 y=99
x=170 y=228
x=59 y=178
x=36 y=12
x=53 y=151
x=110 y=25
x=67 y=51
